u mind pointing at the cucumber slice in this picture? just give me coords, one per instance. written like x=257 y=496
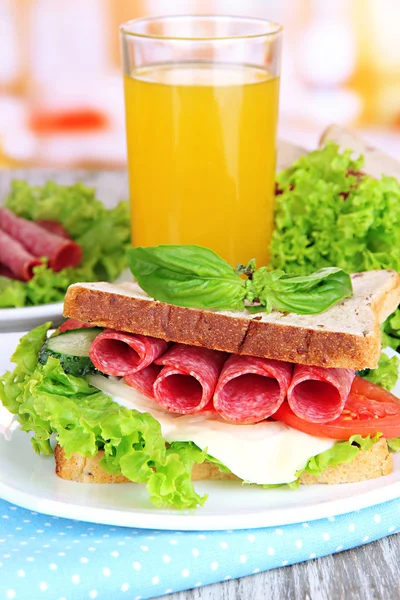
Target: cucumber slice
x=72 y=349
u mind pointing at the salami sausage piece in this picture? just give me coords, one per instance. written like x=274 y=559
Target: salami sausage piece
x=187 y=382
x=119 y=354
x=143 y=381
x=6 y=272
x=251 y=389
x=53 y=227
x=73 y=324
x=61 y=252
x=318 y=395
x=14 y=256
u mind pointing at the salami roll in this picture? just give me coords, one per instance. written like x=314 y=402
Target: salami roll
x=61 y=252
x=187 y=382
x=53 y=227
x=143 y=381
x=70 y=324
x=15 y=258
x=6 y=272
x=318 y=395
x=117 y=353
x=251 y=389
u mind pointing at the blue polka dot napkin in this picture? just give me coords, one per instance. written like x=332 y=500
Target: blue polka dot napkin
x=59 y=559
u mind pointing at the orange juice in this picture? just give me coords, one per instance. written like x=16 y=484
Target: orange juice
x=201 y=157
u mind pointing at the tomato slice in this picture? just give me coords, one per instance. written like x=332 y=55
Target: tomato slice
x=369 y=410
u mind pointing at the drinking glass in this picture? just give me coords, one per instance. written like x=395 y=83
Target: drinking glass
x=201 y=101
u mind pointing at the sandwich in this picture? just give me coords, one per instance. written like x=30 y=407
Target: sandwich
x=197 y=371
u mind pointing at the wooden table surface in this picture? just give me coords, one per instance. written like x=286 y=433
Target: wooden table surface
x=370 y=572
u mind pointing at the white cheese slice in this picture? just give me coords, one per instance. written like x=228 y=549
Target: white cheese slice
x=264 y=453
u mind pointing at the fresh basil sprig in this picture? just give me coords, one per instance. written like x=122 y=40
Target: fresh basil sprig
x=190 y=276
x=196 y=277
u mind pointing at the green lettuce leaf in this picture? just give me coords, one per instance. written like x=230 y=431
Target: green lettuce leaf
x=394 y=444
x=103 y=235
x=326 y=217
x=387 y=373
x=48 y=401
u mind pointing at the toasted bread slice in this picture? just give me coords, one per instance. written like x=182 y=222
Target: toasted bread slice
x=376 y=161
x=368 y=464
x=346 y=335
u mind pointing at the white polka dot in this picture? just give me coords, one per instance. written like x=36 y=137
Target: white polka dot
x=106 y=572
x=53 y=566
x=227 y=577
x=299 y=544
x=185 y=573
x=285 y=562
x=114 y=554
x=21 y=573
x=121 y=543
x=377 y=518
x=174 y=542
x=278 y=531
x=326 y=537
x=331 y=519
x=312 y=555
x=43 y=586
x=93 y=594
x=61 y=554
x=339 y=548
x=203 y=537
x=214 y=565
x=124 y=587
x=18 y=529
x=76 y=579
x=144 y=548
x=6 y=517
x=166 y=558
x=257 y=570
x=26 y=521
x=365 y=538
x=84 y=560
x=243 y=558
x=224 y=545
x=11 y=594
x=137 y=566
x=305 y=525
x=168 y=591
x=91 y=549
x=391 y=528
x=155 y=580
x=352 y=527
x=137 y=598
x=271 y=551
x=195 y=552
x=30 y=559
x=251 y=538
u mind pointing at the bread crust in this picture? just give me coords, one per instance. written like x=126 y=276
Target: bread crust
x=368 y=464
x=249 y=335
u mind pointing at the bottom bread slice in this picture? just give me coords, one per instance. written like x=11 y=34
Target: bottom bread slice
x=368 y=464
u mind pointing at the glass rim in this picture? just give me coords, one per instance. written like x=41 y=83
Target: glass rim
x=125 y=28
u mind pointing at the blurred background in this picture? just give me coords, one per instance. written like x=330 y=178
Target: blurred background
x=61 y=96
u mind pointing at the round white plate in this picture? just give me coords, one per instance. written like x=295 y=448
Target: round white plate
x=28 y=317
x=29 y=480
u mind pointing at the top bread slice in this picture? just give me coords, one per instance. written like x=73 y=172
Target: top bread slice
x=346 y=335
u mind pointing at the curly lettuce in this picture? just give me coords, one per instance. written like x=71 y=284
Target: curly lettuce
x=328 y=214
x=103 y=235
x=48 y=401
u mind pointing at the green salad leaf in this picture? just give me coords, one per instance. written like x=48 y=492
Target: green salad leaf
x=103 y=235
x=387 y=373
x=328 y=214
x=49 y=401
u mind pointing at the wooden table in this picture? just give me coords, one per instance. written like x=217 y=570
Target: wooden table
x=370 y=572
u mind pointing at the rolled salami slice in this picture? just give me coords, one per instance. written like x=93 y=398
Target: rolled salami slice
x=61 y=252
x=14 y=257
x=251 y=389
x=6 y=272
x=53 y=227
x=143 y=381
x=70 y=324
x=187 y=382
x=117 y=353
x=318 y=395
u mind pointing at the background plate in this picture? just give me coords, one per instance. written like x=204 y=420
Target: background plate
x=29 y=480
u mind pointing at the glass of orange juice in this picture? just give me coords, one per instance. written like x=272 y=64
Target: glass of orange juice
x=201 y=101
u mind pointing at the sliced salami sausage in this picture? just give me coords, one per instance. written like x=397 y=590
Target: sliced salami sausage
x=53 y=227
x=6 y=272
x=119 y=354
x=143 y=381
x=187 y=382
x=251 y=389
x=61 y=252
x=318 y=395
x=14 y=257
x=73 y=324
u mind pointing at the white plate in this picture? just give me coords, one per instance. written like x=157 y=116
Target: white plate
x=28 y=317
x=29 y=480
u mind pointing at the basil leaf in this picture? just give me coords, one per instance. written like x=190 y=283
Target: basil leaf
x=187 y=275
x=306 y=295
